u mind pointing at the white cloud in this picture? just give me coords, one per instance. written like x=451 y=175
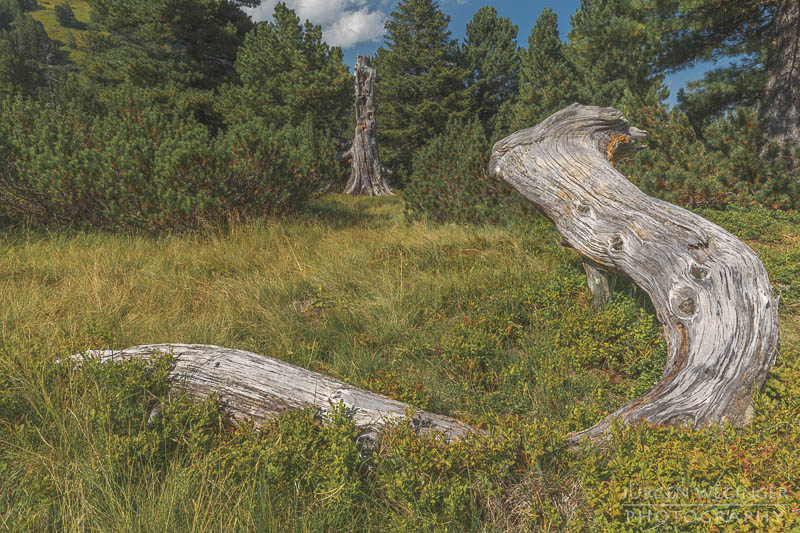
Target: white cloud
x=344 y=23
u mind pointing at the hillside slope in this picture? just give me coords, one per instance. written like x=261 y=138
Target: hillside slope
x=47 y=16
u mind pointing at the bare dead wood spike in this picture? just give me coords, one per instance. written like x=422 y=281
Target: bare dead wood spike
x=367 y=174
x=255 y=387
x=710 y=290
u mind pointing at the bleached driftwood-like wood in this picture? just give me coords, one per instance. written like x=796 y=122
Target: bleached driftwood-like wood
x=597 y=279
x=710 y=290
x=255 y=387
x=367 y=174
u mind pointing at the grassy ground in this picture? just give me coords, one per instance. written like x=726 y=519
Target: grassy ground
x=47 y=16
x=490 y=324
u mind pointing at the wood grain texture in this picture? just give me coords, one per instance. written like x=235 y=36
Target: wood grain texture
x=367 y=173
x=710 y=290
x=255 y=387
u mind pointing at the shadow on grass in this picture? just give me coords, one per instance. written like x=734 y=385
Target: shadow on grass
x=338 y=211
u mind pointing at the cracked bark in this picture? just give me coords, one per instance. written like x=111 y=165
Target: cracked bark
x=780 y=106
x=367 y=174
x=254 y=387
x=710 y=290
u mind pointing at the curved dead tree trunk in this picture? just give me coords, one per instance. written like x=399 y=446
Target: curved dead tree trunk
x=709 y=290
x=366 y=177
x=254 y=387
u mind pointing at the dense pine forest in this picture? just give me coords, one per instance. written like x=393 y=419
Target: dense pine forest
x=171 y=171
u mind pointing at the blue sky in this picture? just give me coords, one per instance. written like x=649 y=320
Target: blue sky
x=357 y=25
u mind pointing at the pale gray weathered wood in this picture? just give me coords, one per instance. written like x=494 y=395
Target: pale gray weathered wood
x=255 y=387
x=597 y=279
x=710 y=290
x=367 y=174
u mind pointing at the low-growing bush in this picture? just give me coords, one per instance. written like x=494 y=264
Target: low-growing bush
x=733 y=162
x=143 y=165
x=449 y=181
x=271 y=170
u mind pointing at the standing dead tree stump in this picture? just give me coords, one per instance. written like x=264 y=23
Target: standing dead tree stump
x=367 y=174
x=709 y=290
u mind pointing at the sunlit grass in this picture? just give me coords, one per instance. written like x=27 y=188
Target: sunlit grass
x=491 y=324
x=47 y=16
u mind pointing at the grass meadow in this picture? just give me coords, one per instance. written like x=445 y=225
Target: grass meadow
x=47 y=16
x=491 y=324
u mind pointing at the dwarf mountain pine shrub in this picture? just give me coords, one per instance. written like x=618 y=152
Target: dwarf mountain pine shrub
x=449 y=181
x=139 y=165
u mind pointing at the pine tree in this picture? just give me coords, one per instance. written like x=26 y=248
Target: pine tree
x=8 y=12
x=188 y=44
x=763 y=35
x=492 y=59
x=15 y=75
x=613 y=47
x=26 y=55
x=288 y=72
x=547 y=79
x=65 y=16
x=721 y=90
x=420 y=83
x=30 y=39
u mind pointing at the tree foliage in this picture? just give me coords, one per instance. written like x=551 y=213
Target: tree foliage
x=137 y=165
x=548 y=81
x=15 y=75
x=191 y=43
x=420 y=82
x=761 y=36
x=734 y=163
x=288 y=72
x=450 y=182
x=612 y=46
x=184 y=110
x=701 y=30
x=492 y=60
x=65 y=16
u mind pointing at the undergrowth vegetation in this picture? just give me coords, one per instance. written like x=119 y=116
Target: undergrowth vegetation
x=493 y=325
x=138 y=162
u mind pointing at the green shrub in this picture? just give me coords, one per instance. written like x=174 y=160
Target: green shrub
x=136 y=166
x=145 y=165
x=752 y=168
x=275 y=170
x=449 y=180
x=30 y=38
x=732 y=163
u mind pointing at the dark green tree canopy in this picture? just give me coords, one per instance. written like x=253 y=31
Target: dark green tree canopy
x=548 y=81
x=192 y=43
x=30 y=39
x=15 y=75
x=65 y=16
x=287 y=72
x=764 y=37
x=492 y=60
x=420 y=85
x=613 y=45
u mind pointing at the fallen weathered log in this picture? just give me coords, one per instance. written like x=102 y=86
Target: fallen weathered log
x=710 y=290
x=255 y=387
